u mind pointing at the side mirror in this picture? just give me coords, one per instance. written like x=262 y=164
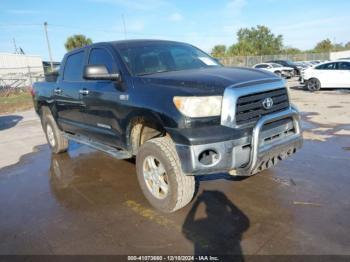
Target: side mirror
x=99 y=72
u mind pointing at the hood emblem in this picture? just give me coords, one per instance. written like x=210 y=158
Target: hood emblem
x=267 y=103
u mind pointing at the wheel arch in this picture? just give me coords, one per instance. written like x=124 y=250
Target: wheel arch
x=142 y=127
x=44 y=104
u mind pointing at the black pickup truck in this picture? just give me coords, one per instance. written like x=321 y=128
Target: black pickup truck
x=175 y=108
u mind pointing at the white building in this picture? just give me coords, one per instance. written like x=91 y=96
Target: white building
x=340 y=54
x=20 y=70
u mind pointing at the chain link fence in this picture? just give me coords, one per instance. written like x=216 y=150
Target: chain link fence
x=249 y=61
x=18 y=79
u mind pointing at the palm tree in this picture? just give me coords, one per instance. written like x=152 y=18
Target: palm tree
x=77 y=41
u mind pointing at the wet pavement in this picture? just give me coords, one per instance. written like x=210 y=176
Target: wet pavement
x=85 y=202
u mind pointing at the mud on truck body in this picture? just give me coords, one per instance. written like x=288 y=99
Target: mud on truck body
x=173 y=107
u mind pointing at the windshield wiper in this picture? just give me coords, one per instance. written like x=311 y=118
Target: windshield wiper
x=156 y=72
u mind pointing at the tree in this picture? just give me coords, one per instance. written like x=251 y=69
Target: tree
x=324 y=46
x=218 y=51
x=338 y=47
x=257 y=40
x=77 y=41
x=347 y=46
x=291 y=50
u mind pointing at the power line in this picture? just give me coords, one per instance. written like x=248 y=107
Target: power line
x=121 y=31
x=14 y=25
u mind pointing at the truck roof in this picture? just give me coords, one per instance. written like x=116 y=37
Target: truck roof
x=130 y=43
x=136 y=42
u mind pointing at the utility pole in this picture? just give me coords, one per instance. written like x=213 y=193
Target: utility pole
x=48 y=45
x=15 y=46
x=124 y=26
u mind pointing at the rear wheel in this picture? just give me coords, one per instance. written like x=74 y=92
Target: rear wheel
x=160 y=176
x=313 y=85
x=57 y=142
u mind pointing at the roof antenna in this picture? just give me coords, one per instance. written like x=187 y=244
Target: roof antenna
x=124 y=26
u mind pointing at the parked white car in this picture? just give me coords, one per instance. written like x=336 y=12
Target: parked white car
x=334 y=74
x=278 y=69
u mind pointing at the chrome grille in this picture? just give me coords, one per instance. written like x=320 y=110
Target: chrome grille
x=249 y=108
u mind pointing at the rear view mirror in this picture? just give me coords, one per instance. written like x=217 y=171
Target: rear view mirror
x=99 y=72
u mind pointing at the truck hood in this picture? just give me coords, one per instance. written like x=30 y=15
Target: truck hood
x=214 y=79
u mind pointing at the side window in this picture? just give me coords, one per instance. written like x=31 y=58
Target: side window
x=329 y=66
x=73 y=68
x=261 y=66
x=100 y=56
x=344 y=66
x=319 y=67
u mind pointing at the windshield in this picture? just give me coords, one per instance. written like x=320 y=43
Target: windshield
x=289 y=63
x=164 y=57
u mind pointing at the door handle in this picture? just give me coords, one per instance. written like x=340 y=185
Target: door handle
x=84 y=92
x=57 y=90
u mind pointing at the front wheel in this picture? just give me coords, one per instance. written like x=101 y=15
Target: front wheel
x=313 y=85
x=160 y=176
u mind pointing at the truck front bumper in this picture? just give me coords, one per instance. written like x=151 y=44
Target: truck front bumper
x=273 y=138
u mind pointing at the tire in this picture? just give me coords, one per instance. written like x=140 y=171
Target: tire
x=54 y=136
x=161 y=153
x=313 y=85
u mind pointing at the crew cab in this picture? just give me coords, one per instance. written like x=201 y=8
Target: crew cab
x=175 y=108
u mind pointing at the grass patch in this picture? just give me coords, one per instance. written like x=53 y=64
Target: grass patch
x=15 y=102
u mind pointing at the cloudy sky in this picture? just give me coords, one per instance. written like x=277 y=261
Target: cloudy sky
x=203 y=23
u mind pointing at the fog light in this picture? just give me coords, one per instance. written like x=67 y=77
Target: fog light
x=208 y=157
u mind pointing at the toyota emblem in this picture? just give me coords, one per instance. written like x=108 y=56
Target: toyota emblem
x=267 y=103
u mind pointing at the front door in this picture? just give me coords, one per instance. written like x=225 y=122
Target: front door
x=327 y=74
x=102 y=103
x=344 y=74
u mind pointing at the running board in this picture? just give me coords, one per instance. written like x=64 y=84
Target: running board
x=120 y=154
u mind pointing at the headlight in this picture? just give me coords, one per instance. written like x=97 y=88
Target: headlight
x=198 y=106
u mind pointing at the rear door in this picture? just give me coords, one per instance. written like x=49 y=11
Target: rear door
x=68 y=104
x=102 y=101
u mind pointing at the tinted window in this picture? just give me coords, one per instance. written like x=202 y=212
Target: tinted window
x=344 y=66
x=73 y=68
x=261 y=66
x=328 y=66
x=100 y=56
